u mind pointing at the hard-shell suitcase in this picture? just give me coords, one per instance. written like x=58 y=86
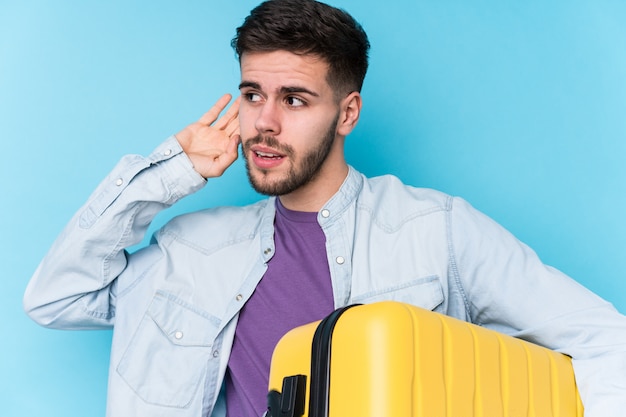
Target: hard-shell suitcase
x=390 y=359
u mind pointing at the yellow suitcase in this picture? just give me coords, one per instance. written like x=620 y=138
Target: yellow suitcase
x=390 y=359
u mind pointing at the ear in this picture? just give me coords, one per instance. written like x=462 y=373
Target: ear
x=350 y=112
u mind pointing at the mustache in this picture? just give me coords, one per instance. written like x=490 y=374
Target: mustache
x=269 y=141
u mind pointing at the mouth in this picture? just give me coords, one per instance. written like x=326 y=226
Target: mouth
x=267 y=155
x=266 y=158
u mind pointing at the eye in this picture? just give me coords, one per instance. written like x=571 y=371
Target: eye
x=295 y=101
x=252 y=97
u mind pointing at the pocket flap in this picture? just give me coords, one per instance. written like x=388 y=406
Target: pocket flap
x=180 y=322
x=422 y=292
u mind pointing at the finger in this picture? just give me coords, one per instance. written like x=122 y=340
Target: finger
x=231 y=114
x=233 y=146
x=209 y=117
x=232 y=127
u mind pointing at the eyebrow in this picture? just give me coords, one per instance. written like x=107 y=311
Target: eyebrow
x=283 y=90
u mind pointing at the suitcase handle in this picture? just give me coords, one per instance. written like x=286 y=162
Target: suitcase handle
x=289 y=403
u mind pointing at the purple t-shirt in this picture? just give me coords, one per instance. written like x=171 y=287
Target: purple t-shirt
x=295 y=290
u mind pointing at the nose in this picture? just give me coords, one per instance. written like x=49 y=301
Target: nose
x=268 y=119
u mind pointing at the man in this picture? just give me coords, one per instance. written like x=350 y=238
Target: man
x=196 y=313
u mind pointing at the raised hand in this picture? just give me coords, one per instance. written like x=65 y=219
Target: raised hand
x=211 y=143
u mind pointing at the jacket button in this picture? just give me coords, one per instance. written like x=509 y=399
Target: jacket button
x=216 y=353
x=239 y=297
x=340 y=260
x=325 y=213
x=167 y=152
x=119 y=182
x=178 y=335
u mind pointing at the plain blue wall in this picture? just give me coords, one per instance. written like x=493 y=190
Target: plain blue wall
x=517 y=106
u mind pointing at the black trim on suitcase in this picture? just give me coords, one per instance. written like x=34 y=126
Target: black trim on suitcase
x=290 y=403
x=320 y=364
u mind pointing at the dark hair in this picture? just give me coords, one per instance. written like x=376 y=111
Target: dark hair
x=308 y=27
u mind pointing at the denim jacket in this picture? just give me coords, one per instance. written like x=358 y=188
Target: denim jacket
x=174 y=304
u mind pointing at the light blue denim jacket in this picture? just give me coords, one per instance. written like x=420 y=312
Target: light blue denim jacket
x=174 y=304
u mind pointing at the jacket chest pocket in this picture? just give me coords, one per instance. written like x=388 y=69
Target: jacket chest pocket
x=167 y=356
x=424 y=292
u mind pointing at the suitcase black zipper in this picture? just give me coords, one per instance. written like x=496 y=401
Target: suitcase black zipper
x=290 y=403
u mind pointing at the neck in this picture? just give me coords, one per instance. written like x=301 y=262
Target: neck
x=314 y=195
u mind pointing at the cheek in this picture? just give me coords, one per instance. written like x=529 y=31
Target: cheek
x=246 y=124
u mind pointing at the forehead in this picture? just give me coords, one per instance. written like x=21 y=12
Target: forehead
x=277 y=69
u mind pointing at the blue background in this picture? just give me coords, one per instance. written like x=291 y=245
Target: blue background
x=517 y=106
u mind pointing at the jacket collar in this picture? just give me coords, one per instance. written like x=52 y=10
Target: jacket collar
x=343 y=198
x=338 y=203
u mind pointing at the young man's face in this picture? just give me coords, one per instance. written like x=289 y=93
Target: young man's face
x=288 y=118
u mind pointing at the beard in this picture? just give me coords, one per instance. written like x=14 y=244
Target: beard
x=297 y=176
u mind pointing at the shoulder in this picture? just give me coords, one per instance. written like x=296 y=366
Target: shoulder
x=219 y=225
x=390 y=191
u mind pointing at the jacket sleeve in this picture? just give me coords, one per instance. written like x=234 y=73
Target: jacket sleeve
x=509 y=289
x=74 y=287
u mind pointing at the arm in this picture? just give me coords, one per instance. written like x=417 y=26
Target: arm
x=509 y=289
x=75 y=284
